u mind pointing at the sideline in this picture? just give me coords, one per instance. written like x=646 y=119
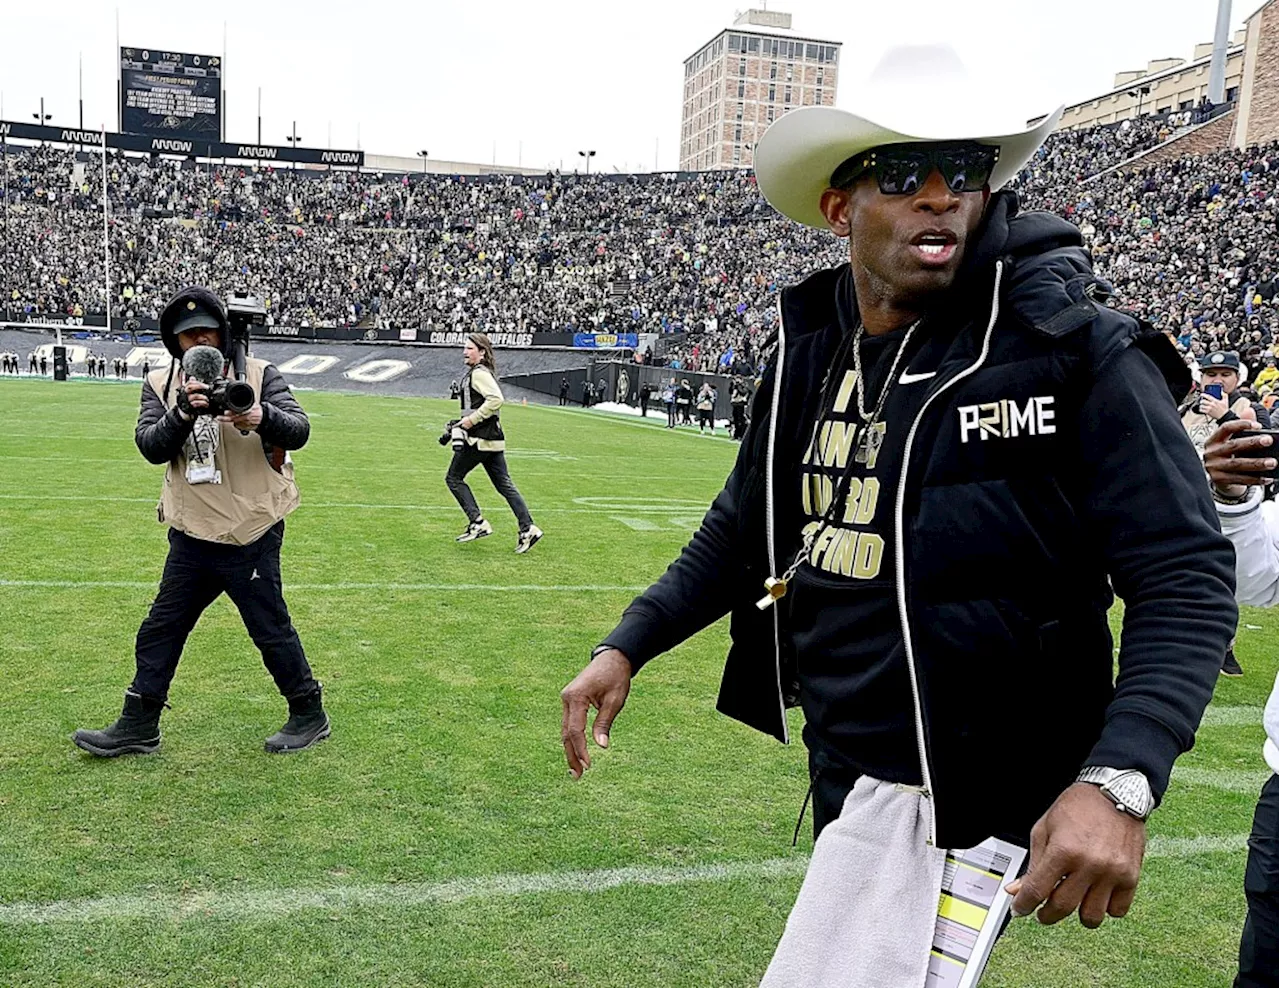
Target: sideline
x=272 y=903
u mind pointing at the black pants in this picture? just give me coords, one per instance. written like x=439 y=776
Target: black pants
x=195 y=574
x=830 y=787
x=467 y=459
x=671 y=415
x=704 y=419
x=1258 y=942
x=644 y=406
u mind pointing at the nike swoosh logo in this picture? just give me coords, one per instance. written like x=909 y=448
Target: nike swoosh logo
x=908 y=378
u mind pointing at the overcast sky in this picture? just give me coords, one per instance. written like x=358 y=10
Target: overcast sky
x=535 y=83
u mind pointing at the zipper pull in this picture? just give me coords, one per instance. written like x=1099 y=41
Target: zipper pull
x=777 y=587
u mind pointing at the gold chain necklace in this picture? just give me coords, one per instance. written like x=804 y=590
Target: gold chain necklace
x=868 y=448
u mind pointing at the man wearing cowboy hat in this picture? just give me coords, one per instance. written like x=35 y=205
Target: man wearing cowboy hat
x=955 y=453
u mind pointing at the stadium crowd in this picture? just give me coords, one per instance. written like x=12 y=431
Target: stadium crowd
x=1188 y=243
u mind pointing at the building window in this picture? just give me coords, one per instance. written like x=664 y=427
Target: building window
x=773 y=93
x=753 y=44
x=742 y=66
x=811 y=52
x=742 y=88
x=1232 y=93
x=773 y=70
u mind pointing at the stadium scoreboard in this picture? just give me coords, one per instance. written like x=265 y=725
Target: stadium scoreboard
x=170 y=94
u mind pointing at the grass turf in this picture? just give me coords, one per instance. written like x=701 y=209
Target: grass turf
x=445 y=761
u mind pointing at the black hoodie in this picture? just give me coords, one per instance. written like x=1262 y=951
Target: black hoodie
x=1008 y=540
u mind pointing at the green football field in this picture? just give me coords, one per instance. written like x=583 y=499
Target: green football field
x=437 y=838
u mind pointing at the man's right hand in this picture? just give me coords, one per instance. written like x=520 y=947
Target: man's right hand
x=1229 y=472
x=603 y=684
x=196 y=397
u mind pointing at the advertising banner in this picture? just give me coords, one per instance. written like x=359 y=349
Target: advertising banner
x=606 y=341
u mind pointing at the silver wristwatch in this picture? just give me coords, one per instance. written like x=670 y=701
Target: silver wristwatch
x=1127 y=788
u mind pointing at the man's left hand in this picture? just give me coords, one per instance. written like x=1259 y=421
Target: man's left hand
x=245 y=421
x=1086 y=855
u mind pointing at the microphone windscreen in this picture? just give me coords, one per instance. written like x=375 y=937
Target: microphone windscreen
x=204 y=363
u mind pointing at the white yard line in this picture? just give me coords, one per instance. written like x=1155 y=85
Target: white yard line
x=329 y=587
x=656 y=507
x=270 y=903
x=1233 y=717
x=1228 y=780
x=276 y=902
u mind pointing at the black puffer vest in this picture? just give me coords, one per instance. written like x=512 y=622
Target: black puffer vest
x=470 y=399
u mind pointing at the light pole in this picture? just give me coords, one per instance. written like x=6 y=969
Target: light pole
x=588 y=155
x=293 y=140
x=423 y=156
x=1140 y=93
x=42 y=118
x=4 y=177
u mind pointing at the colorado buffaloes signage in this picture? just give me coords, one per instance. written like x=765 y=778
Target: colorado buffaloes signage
x=185 y=146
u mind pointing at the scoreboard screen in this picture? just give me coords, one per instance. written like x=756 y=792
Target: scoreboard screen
x=170 y=94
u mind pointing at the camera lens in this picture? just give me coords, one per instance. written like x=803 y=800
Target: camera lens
x=239 y=397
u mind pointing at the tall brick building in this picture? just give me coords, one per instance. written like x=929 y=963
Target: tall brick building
x=744 y=78
x=1258 y=119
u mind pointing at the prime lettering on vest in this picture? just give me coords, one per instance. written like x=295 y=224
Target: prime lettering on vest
x=1006 y=419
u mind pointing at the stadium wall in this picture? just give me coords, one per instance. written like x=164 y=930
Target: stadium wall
x=1213 y=136
x=371 y=369
x=622 y=382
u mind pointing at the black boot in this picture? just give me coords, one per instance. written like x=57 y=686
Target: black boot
x=307 y=724
x=137 y=732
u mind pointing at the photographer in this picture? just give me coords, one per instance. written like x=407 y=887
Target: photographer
x=228 y=486
x=1218 y=400
x=478 y=440
x=1239 y=462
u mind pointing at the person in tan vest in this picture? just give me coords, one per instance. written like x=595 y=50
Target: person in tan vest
x=227 y=489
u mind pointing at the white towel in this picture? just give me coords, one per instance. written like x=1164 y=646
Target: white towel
x=866 y=912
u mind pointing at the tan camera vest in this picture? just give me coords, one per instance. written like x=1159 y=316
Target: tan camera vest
x=252 y=497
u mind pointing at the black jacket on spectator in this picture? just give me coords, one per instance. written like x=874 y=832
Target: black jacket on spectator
x=161 y=431
x=1007 y=549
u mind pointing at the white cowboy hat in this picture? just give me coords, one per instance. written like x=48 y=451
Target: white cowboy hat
x=916 y=93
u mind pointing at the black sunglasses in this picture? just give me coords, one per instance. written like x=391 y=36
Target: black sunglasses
x=901 y=169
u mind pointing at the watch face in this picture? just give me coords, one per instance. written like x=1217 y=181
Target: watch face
x=1132 y=790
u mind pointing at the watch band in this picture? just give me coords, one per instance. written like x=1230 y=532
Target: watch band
x=1128 y=789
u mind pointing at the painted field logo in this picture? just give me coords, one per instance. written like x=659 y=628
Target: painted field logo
x=1003 y=419
x=648 y=514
